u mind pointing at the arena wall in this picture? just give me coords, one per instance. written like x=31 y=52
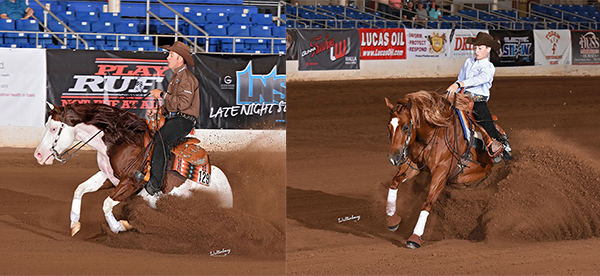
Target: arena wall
x=428 y=68
x=212 y=140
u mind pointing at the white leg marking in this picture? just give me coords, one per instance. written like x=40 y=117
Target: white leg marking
x=91 y=185
x=390 y=209
x=109 y=204
x=420 y=227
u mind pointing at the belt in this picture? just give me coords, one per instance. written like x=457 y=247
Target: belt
x=171 y=115
x=476 y=97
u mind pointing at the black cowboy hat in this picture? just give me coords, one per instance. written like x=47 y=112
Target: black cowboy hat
x=182 y=49
x=484 y=39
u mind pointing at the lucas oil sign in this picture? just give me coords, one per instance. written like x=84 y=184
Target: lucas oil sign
x=382 y=44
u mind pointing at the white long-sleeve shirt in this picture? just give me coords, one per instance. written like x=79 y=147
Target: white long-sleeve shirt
x=477 y=76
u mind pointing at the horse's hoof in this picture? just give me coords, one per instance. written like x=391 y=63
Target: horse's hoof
x=413 y=242
x=125 y=226
x=75 y=227
x=393 y=222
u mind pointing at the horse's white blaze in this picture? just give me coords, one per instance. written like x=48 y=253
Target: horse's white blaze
x=108 y=206
x=394 y=123
x=390 y=209
x=420 y=227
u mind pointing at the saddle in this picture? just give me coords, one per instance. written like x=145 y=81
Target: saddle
x=187 y=158
x=481 y=139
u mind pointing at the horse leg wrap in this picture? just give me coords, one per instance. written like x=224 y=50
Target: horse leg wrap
x=76 y=208
x=390 y=209
x=420 y=227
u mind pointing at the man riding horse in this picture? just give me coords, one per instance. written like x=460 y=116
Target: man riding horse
x=182 y=107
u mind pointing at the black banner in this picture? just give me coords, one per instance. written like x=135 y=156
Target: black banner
x=242 y=91
x=117 y=78
x=236 y=91
x=291 y=48
x=586 y=47
x=517 y=47
x=328 y=49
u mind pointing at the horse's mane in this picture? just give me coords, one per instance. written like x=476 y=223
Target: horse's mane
x=119 y=126
x=432 y=106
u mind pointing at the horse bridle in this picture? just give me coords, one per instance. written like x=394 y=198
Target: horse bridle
x=60 y=156
x=404 y=156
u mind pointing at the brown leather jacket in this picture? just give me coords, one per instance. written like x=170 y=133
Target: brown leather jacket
x=183 y=93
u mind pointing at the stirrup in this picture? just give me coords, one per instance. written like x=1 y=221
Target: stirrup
x=495 y=152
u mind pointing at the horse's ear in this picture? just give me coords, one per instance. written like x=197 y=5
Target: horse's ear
x=389 y=104
x=50 y=105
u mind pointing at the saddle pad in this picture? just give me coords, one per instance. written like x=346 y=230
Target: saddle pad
x=198 y=174
x=465 y=124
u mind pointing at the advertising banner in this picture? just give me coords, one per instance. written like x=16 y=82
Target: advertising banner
x=421 y=43
x=458 y=43
x=586 y=47
x=382 y=44
x=328 y=49
x=242 y=91
x=517 y=47
x=552 y=47
x=22 y=87
x=123 y=79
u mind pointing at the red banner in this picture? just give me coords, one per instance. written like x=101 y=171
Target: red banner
x=382 y=44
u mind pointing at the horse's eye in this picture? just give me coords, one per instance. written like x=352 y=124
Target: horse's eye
x=405 y=128
x=53 y=129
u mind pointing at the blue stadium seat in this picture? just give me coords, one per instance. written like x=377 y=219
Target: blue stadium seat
x=133 y=9
x=196 y=17
x=238 y=30
x=55 y=26
x=7 y=25
x=216 y=29
x=261 y=18
x=16 y=38
x=99 y=40
x=79 y=6
x=143 y=41
x=27 y=25
x=80 y=26
x=103 y=27
x=240 y=18
x=42 y=39
x=65 y=16
x=91 y=16
x=126 y=27
x=216 y=18
x=112 y=17
x=278 y=31
x=261 y=31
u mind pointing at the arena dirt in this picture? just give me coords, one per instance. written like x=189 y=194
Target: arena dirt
x=176 y=238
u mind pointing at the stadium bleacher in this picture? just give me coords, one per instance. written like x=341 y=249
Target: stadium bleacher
x=128 y=29
x=538 y=17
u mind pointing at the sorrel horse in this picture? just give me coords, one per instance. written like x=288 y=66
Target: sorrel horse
x=425 y=135
x=119 y=138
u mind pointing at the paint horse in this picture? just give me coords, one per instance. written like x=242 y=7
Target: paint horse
x=425 y=134
x=119 y=137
